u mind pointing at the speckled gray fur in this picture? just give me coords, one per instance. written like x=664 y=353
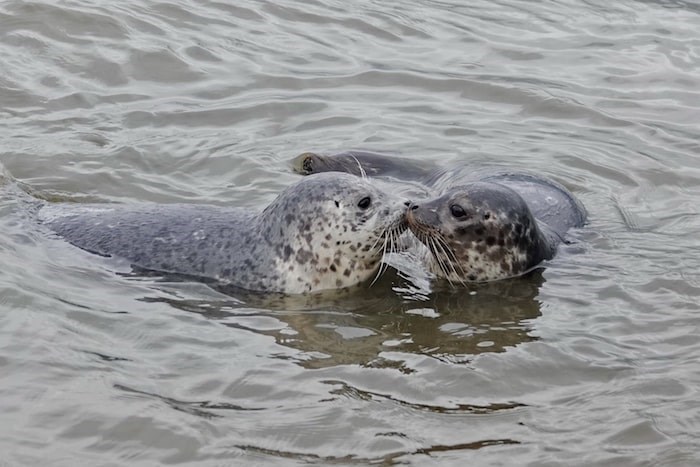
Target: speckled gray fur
x=496 y=238
x=513 y=219
x=312 y=237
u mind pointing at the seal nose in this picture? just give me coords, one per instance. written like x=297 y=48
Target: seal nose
x=409 y=215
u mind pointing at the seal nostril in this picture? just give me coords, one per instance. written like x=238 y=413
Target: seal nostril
x=410 y=205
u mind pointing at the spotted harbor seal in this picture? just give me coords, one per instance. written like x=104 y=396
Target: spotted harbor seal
x=327 y=231
x=362 y=163
x=479 y=224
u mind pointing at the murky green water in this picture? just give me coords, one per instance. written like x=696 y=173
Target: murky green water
x=595 y=361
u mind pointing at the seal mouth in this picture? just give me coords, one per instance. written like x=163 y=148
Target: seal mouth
x=440 y=249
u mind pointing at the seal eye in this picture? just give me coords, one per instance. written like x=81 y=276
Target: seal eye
x=364 y=203
x=458 y=211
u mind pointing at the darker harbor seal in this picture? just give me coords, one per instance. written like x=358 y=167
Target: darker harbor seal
x=327 y=231
x=479 y=224
x=362 y=163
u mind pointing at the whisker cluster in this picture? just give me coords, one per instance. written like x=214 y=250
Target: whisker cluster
x=442 y=253
x=391 y=241
x=363 y=174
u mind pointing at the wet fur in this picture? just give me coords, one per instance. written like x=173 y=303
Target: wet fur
x=528 y=215
x=312 y=237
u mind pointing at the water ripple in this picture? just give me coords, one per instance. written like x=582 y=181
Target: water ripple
x=592 y=360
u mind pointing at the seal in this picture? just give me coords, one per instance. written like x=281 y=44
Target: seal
x=478 y=224
x=327 y=231
x=481 y=232
x=362 y=163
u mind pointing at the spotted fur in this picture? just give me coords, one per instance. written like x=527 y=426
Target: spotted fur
x=494 y=237
x=529 y=214
x=312 y=237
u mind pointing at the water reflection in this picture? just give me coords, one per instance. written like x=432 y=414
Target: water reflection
x=363 y=324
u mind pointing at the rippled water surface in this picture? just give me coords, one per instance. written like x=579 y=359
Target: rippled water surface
x=593 y=361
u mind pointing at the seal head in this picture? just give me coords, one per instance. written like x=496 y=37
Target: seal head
x=332 y=232
x=480 y=232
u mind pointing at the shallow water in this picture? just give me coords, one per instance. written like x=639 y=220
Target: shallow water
x=593 y=361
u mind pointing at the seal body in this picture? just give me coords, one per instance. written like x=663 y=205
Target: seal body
x=479 y=224
x=327 y=231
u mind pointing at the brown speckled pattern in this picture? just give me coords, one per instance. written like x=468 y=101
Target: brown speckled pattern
x=496 y=238
x=524 y=216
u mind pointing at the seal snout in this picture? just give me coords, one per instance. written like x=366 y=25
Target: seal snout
x=410 y=206
x=418 y=217
x=408 y=213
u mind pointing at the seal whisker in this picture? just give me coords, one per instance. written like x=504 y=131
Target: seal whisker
x=380 y=238
x=436 y=246
x=363 y=174
x=452 y=259
x=449 y=260
x=436 y=249
x=391 y=238
x=382 y=265
x=447 y=267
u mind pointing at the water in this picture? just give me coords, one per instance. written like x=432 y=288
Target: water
x=594 y=361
